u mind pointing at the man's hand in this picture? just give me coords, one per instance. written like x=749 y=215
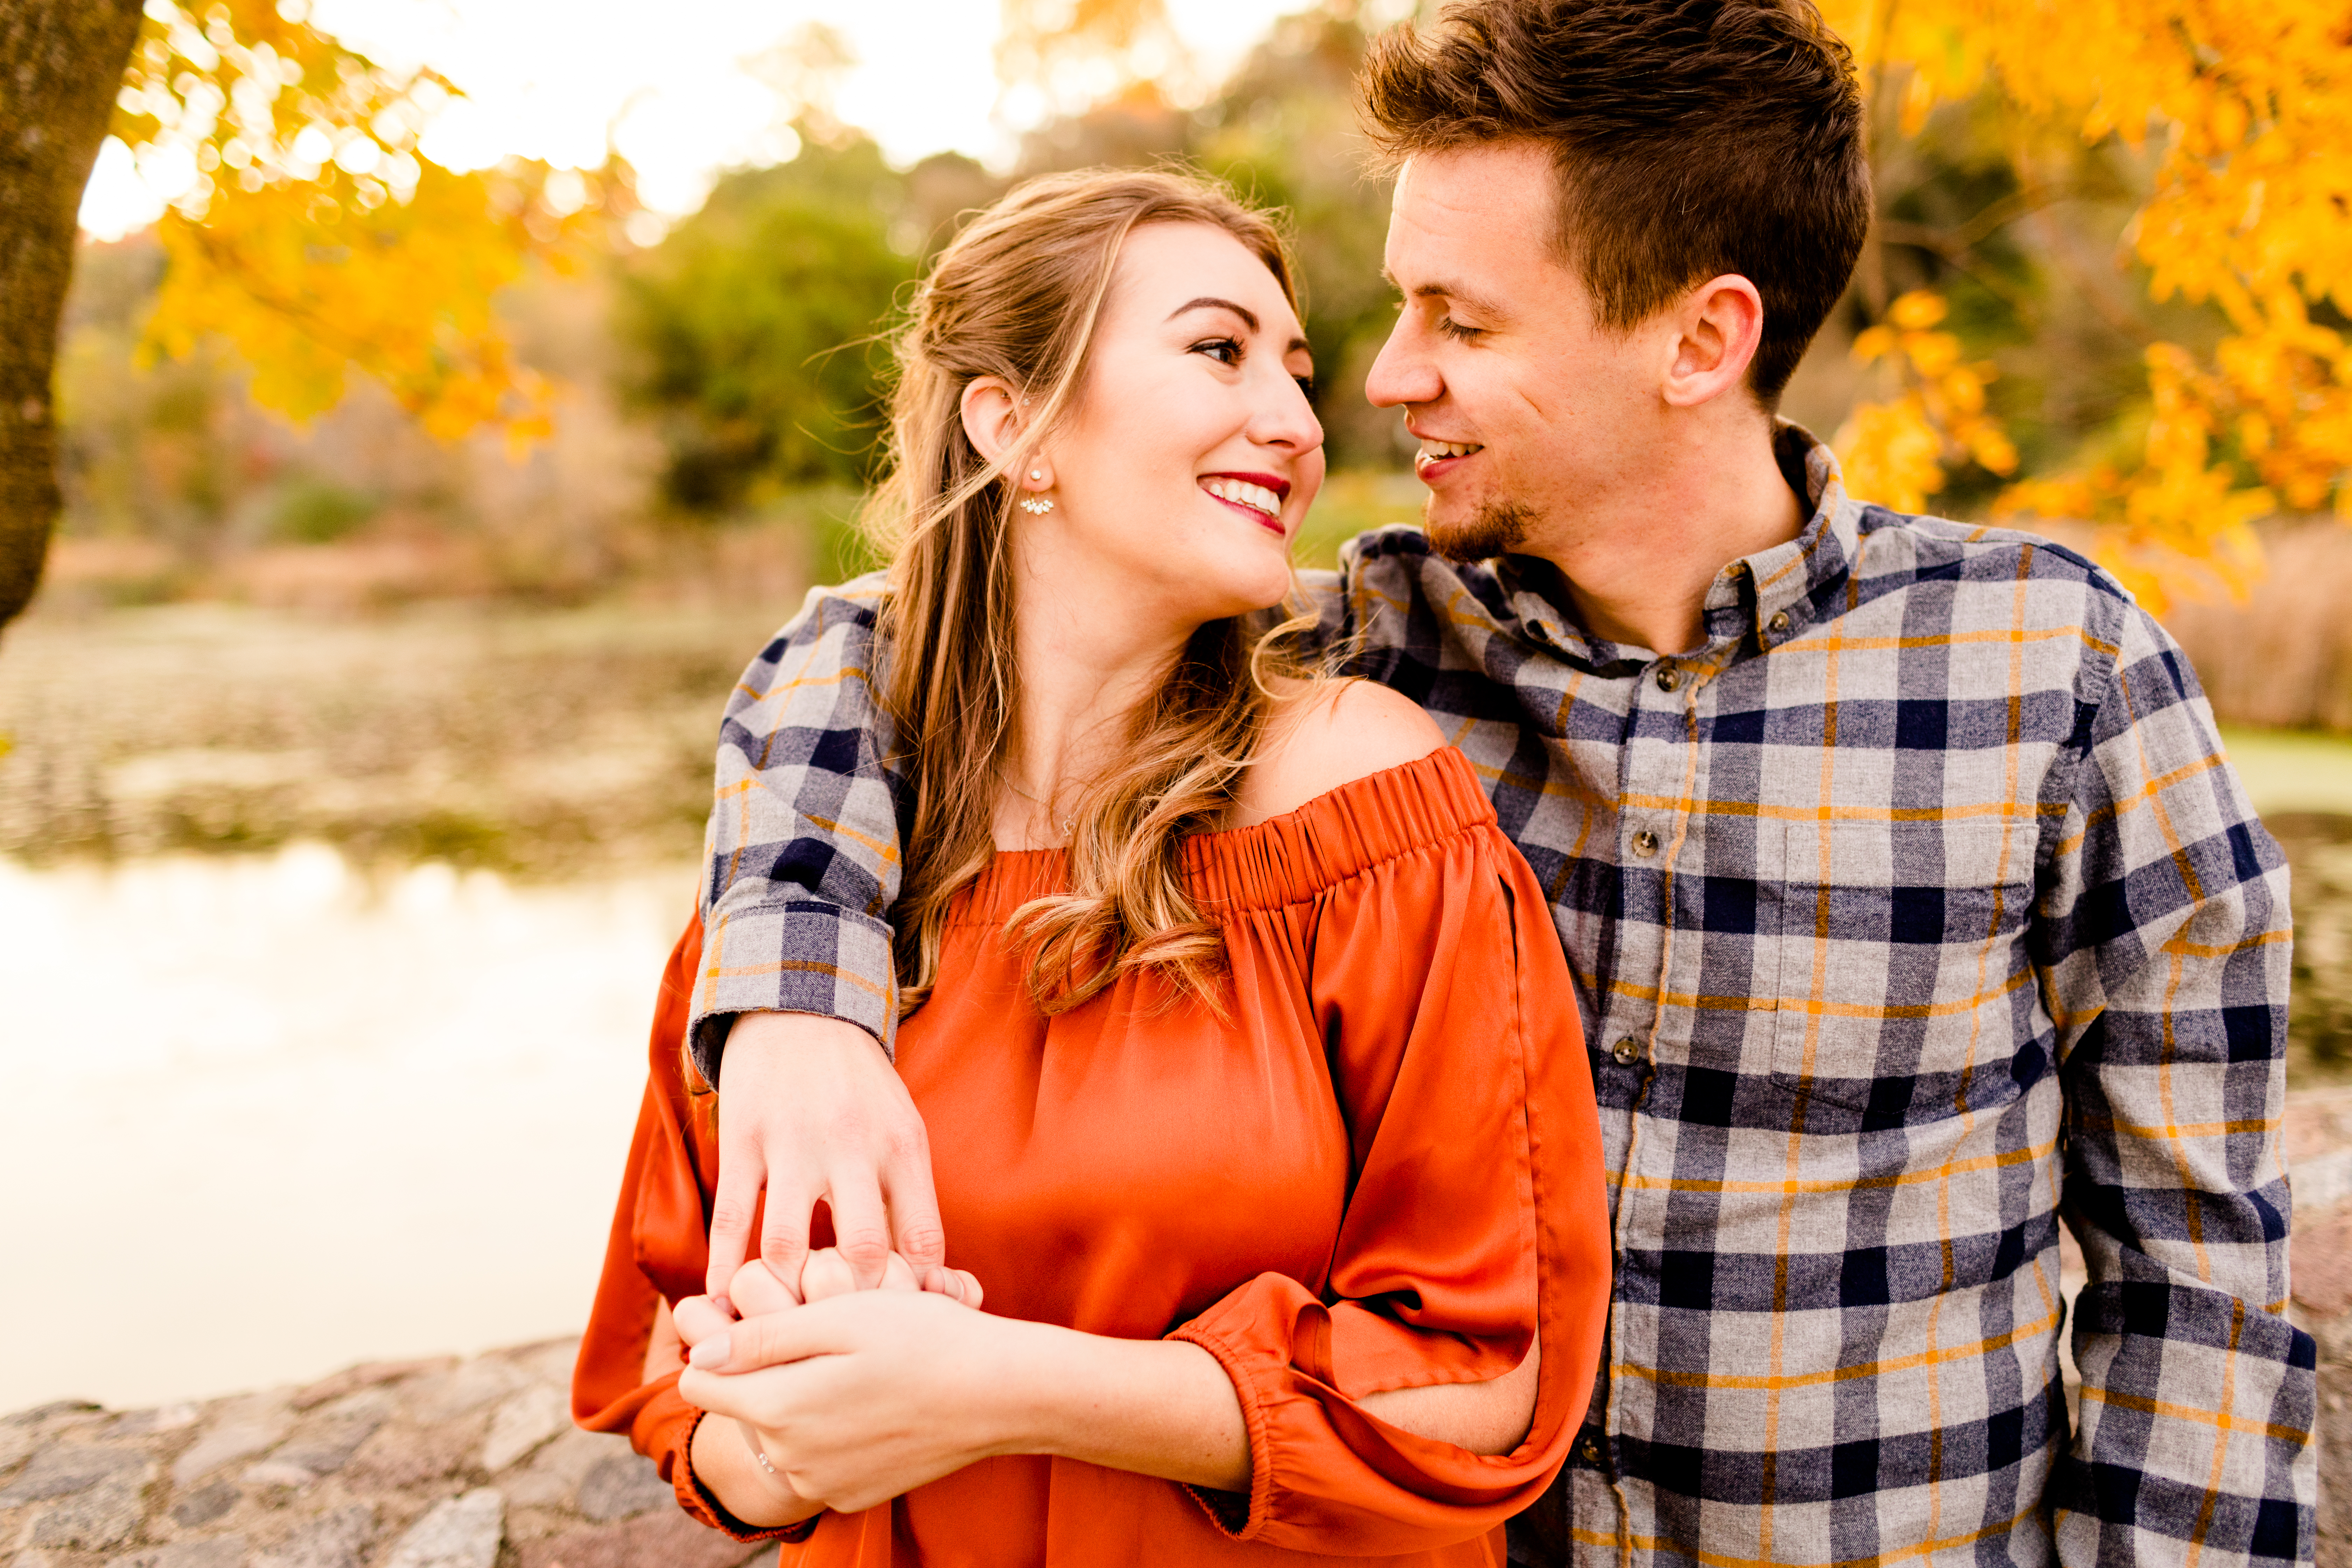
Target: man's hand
x=809 y=1107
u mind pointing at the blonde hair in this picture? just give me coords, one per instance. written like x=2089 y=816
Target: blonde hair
x=1018 y=295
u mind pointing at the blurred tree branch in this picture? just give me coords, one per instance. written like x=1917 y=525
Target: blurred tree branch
x=60 y=61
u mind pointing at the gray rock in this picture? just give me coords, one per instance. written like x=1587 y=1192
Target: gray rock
x=464 y=1388
x=149 y=1423
x=15 y=1442
x=400 y=1455
x=66 y=1469
x=103 y=1516
x=270 y=1473
x=229 y=1441
x=522 y=1424
x=555 y=1472
x=549 y=1362
x=621 y=1485
x=768 y=1559
x=463 y=1532
x=55 y=1408
x=325 y=1444
x=214 y=1551
x=332 y=1540
x=205 y=1505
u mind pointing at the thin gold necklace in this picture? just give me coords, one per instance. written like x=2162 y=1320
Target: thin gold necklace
x=1069 y=823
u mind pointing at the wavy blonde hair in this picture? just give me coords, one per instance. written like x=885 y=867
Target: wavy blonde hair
x=1018 y=295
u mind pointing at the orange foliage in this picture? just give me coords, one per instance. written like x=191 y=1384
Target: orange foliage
x=2252 y=105
x=316 y=239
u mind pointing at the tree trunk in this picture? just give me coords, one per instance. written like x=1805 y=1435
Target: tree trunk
x=61 y=63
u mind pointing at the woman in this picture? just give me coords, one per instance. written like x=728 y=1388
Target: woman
x=1256 y=1095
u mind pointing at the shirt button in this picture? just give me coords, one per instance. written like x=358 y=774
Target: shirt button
x=1669 y=678
x=1627 y=1051
x=1645 y=844
x=1591 y=1451
x=1779 y=624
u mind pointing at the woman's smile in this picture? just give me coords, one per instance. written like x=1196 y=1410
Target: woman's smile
x=1258 y=497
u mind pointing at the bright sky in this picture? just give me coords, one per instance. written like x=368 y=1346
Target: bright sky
x=671 y=83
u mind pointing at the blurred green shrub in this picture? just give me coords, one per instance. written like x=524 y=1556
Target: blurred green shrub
x=751 y=326
x=313 y=510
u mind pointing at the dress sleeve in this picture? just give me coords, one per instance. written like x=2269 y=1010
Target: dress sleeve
x=657 y=1250
x=1476 y=1223
x=801 y=859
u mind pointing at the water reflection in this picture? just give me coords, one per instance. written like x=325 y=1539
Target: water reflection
x=261 y=1117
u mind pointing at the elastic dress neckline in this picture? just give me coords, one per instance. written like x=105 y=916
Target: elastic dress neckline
x=1286 y=860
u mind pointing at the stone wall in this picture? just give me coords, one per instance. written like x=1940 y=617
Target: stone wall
x=441 y=1464
x=475 y=1464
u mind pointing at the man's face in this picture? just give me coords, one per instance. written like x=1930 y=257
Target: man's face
x=1526 y=410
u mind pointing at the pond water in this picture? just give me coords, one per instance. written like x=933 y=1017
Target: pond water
x=261 y=1117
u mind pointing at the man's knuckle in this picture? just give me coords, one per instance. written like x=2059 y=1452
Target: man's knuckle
x=864 y=1244
x=730 y=1214
x=922 y=1241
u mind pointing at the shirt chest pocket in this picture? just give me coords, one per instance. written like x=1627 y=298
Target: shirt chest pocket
x=1898 y=964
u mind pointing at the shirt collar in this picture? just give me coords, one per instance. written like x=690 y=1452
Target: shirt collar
x=1746 y=597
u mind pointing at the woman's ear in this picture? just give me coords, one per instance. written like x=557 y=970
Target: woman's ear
x=992 y=416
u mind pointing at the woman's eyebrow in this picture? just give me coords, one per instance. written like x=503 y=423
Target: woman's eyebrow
x=1210 y=302
x=1248 y=316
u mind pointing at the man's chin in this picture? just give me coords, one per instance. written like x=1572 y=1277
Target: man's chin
x=1482 y=533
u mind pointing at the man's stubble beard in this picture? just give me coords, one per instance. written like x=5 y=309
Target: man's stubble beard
x=1497 y=528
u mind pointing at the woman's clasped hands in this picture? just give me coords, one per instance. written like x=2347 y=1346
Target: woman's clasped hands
x=853 y=1396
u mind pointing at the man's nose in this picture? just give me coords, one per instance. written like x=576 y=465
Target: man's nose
x=1402 y=374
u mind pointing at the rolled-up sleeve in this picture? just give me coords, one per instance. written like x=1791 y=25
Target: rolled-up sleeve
x=657 y=1252
x=1476 y=1223
x=2166 y=937
x=800 y=858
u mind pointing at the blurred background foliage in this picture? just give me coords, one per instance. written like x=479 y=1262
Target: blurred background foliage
x=2103 y=295
x=2103 y=290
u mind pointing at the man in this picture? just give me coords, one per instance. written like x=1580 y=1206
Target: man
x=1911 y=901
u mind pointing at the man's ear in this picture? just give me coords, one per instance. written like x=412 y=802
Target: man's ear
x=1719 y=325
x=992 y=416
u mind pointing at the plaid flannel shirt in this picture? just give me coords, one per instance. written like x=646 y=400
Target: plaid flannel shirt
x=1917 y=908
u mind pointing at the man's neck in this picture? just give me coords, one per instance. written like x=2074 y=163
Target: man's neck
x=1639 y=564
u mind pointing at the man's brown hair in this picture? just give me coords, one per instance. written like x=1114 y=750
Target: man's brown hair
x=1692 y=137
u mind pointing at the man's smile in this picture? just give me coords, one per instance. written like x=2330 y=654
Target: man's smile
x=1437 y=457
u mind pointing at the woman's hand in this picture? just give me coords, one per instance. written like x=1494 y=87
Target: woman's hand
x=860 y=1397
x=753 y=1290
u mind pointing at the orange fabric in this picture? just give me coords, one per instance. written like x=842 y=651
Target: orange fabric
x=1379 y=1169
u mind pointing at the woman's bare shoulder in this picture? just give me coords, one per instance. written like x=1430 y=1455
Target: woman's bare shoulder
x=1328 y=733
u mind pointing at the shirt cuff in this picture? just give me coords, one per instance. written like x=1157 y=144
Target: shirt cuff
x=699 y=1501
x=800 y=955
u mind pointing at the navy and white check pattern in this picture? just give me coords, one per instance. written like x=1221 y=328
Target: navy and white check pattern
x=1915 y=910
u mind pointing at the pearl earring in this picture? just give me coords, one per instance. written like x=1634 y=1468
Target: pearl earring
x=1036 y=506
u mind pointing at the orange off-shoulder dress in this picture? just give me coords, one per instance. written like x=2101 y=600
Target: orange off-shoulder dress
x=1381 y=1169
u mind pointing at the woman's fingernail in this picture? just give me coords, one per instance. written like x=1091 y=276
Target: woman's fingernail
x=726 y=1306
x=711 y=1353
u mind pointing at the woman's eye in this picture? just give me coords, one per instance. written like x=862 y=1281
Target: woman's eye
x=1456 y=331
x=1225 y=351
